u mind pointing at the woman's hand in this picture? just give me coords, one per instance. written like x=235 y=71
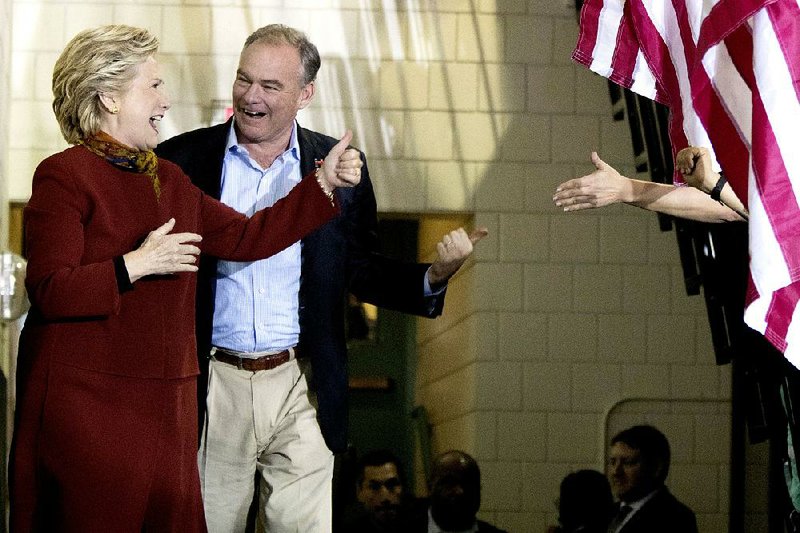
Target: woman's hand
x=604 y=186
x=342 y=166
x=694 y=162
x=163 y=252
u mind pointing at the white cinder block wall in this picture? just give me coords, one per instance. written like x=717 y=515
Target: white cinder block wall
x=564 y=325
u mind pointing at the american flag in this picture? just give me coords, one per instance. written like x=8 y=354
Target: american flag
x=729 y=71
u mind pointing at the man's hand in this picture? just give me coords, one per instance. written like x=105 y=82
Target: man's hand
x=452 y=251
x=604 y=186
x=694 y=162
x=342 y=165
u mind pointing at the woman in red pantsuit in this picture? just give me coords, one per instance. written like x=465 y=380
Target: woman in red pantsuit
x=106 y=428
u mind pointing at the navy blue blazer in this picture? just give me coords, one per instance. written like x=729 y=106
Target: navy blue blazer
x=339 y=257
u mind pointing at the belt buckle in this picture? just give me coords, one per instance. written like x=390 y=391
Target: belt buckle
x=239 y=362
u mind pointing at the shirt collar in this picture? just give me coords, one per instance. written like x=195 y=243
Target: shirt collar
x=433 y=527
x=233 y=143
x=638 y=504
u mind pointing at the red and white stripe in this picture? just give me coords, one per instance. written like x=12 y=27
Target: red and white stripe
x=729 y=70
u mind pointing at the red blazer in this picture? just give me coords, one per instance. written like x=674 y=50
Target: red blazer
x=84 y=212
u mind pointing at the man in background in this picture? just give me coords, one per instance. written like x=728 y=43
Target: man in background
x=455 y=497
x=638 y=464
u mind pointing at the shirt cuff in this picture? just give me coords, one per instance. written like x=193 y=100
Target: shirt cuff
x=427 y=290
x=121 y=272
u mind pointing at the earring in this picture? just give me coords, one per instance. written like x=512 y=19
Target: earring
x=114 y=110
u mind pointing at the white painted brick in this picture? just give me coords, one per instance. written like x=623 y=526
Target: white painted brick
x=451 y=396
x=493 y=296
x=525 y=138
x=501 y=186
x=78 y=17
x=430 y=137
x=27 y=77
x=615 y=142
x=502 y=486
x=710 y=430
x=572 y=337
x=552 y=7
x=499 y=386
x=186 y=30
x=399 y=185
x=371 y=34
x=595 y=387
x=474 y=433
x=295 y=18
x=338 y=34
x=548 y=287
x=565 y=37
x=623 y=239
x=682 y=302
x=502 y=6
x=646 y=289
x=551 y=89
x=480 y=38
x=35 y=126
x=38 y=27
x=574 y=238
x=501 y=88
x=591 y=95
x=644 y=381
x=697 y=485
x=695 y=381
x=468 y=341
x=477 y=136
x=433 y=36
x=598 y=288
x=403 y=85
x=524 y=237
x=670 y=339
x=529 y=40
x=574 y=138
x=453 y=86
x=541 y=185
x=547 y=387
x=522 y=336
x=21 y=165
x=451 y=186
x=142 y=16
x=489 y=248
x=621 y=338
x=574 y=437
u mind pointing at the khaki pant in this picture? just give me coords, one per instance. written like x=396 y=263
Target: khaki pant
x=261 y=427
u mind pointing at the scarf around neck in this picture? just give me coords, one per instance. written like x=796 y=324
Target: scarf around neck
x=124 y=157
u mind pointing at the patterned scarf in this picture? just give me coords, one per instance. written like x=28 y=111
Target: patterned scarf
x=124 y=157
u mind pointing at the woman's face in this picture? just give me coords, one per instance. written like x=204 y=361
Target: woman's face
x=141 y=108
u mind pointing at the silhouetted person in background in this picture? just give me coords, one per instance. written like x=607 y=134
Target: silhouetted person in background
x=455 y=497
x=380 y=497
x=585 y=503
x=638 y=464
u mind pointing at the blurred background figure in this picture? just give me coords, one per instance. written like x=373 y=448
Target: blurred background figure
x=380 y=496
x=585 y=503
x=638 y=464
x=455 y=497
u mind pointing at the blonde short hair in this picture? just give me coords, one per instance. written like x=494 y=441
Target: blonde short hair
x=96 y=61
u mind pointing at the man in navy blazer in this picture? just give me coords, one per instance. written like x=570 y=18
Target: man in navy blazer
x=276 y=336
x=638 y=465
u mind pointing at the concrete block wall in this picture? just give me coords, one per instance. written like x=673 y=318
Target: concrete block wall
x=463 y=107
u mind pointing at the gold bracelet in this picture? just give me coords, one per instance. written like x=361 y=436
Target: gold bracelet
x=318 y=176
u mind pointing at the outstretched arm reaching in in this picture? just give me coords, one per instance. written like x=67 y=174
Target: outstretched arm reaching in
x=605 y=186
x=694 y=162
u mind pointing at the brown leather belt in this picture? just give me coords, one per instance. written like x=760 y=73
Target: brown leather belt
x=266 y=362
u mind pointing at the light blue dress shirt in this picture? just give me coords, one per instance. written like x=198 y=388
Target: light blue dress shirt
x=256 y=303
